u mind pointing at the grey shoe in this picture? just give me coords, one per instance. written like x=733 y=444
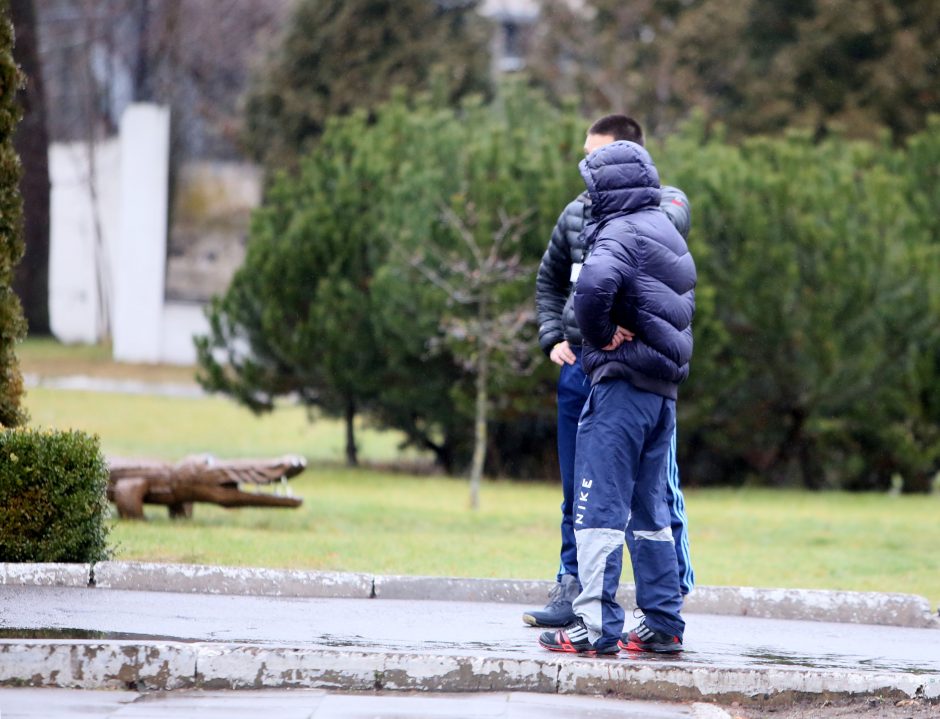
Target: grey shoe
x=558 y=611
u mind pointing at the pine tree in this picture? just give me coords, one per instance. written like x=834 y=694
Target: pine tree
x=298 y=315
x=851 y=66
x=337 y=55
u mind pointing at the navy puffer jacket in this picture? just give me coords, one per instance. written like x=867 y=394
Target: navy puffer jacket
x=639 y=275
x=567 y=249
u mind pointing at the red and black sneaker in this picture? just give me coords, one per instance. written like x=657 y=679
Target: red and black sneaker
x=646 y=639
x=574 y=639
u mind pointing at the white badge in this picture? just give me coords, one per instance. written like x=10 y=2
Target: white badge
x=575 y=271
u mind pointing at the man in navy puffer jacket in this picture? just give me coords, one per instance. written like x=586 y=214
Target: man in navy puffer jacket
x=634 y=302
x=560 y=339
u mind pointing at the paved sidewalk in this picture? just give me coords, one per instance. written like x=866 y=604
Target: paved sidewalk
x=102 y=638
x=317 y=704
x=85 y=383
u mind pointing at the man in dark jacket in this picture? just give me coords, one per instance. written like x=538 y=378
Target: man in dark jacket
x=634 y=302
x=560 y=339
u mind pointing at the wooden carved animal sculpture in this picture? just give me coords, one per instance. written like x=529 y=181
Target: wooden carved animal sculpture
x=199 y=479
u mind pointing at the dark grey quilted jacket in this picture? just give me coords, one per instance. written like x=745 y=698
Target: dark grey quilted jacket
x=554 y=282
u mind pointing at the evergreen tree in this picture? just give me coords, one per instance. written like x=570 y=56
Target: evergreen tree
x=298 y=315
x=613 y=56
x=851 y=66
x=859 y=66
x=815 y=328
x=12 y=325
x=337 y=55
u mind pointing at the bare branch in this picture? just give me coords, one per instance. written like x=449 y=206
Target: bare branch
x=453 y=292
x=463 y=232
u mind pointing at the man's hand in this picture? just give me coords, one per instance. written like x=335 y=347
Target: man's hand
x=561 y=354
x=621 y=335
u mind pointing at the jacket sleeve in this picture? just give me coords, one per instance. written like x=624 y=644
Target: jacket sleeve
x=598 y=283
x=552 y=285
x=676 y=206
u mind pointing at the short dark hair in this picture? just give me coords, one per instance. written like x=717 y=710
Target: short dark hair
x=620 y=127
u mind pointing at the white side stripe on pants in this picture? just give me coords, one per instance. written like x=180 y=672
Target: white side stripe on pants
x=678 y=510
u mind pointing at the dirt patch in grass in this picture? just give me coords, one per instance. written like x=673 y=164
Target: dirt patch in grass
x=842 y=709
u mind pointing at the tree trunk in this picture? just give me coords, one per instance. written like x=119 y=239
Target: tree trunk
x=797 y=448
x=31 y=278
x=93 y=117
x=479 y=427
x=352 y=456
x=443 y=452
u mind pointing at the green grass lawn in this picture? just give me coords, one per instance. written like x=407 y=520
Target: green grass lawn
x=389 y=523
x=367 y=521
x=173 y=427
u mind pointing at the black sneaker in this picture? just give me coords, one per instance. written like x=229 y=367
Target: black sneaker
x=558 y=611
x=646 y=639
x=574 y=639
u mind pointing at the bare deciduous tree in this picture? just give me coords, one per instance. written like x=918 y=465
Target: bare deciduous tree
x=479 y=324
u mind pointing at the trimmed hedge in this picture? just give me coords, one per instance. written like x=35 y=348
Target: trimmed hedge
x=53 y=497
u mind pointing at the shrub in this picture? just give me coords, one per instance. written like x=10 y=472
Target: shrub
x=53 y=491
x=816 y=337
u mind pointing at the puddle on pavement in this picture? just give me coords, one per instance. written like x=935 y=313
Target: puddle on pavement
x=68 y=633
x=824 y=661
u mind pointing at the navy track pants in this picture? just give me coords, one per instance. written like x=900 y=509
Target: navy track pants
x=624 y=437
x=573 y=389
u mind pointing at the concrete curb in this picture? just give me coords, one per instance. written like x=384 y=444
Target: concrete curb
x=195 y=578
x=904 y=610
x=901 y=610
x=176 y=665
x=457 y=589
x=45 y=575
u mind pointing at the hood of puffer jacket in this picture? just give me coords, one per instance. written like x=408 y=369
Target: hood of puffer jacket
x=620 y=177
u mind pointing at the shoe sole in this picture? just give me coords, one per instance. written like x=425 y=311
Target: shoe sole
x=533 y=622
x=655 y=648
x=569 y=649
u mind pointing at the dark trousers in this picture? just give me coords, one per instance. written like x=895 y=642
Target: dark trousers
x=620 y=468
x=573 y=390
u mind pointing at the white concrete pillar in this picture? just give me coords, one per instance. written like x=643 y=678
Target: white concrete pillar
x=83 y=225
x=140 y=254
